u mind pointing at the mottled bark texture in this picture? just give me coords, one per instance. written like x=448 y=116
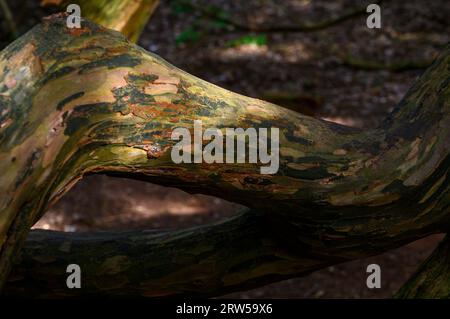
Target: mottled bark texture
x=76 y=102
x=126 y=16
x=233 y=255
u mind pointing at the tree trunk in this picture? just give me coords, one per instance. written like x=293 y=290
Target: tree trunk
x=126 y=16
x=213 y=260
x=76 y=102
x=432 y=279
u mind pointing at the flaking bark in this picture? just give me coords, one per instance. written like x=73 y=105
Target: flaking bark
x=76 y=102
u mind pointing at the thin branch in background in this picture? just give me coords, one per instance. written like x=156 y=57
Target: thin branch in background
x=306 y=27
x=9 y=18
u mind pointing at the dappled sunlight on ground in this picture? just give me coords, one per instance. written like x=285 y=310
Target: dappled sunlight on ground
x=107 y=203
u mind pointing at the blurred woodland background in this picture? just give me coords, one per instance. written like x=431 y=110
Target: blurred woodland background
x=346 y=73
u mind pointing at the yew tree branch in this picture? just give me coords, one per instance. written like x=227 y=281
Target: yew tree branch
x=203 y=261
x=432 y=279
x=76 y=102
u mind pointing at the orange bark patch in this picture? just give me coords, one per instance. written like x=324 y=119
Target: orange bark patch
x=78 y=31
x=26 y=58
x=154 y=150
x=51 y=2
x=6 y=123
x=145 y=112
x=10 y=82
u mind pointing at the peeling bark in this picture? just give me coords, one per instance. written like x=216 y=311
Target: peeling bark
x=76 y=102
x=213 y=260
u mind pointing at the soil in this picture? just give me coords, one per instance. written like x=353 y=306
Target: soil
x=306 y=71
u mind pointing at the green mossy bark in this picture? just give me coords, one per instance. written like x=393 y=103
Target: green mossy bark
x=207 y=261
x=76 y=102
x=432 y=279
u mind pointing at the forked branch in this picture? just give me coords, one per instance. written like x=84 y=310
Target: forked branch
x=84 y=101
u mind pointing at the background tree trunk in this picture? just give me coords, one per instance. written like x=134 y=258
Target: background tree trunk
x=83 y=101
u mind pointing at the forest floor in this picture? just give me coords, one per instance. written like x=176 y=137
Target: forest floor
x=319 y=73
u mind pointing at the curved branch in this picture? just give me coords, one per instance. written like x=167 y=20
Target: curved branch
x=432 y=279
x=213 y=260
x=75 y=102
